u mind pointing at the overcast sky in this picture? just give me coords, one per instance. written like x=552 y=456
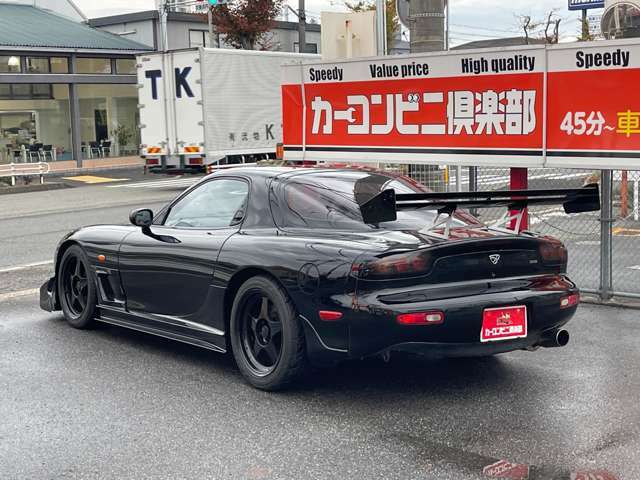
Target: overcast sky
x=470 y=19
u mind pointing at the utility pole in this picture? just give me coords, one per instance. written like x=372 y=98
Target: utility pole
x=381 y=26
x=427 y=25
x=302 y=21
x=210 y=20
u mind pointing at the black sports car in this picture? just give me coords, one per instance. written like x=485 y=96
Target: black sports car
x=291 y=266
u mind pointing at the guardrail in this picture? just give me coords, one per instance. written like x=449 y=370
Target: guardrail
x=14 y=170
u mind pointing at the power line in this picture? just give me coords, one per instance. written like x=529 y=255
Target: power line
x=483 y=28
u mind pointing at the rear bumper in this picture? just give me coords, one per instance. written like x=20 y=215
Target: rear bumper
x=373 y=328
x=168 y=170
x=48 y=300
x=450 y=350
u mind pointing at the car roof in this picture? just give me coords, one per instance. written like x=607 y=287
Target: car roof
x=286 y=172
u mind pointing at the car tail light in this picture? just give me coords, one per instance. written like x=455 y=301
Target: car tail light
x=398 y=265
x=570 y=300
x=152 y=161
x=553 y=252
x=435 y=317
x=195 y=161
x=329 y=315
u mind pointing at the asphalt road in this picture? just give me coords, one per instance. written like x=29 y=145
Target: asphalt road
x=110 y=403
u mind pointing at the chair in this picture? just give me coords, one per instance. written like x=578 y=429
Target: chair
x=94 y=147
x=19 y=155
x=34 y=151
x=47 y=150
x=105 y=148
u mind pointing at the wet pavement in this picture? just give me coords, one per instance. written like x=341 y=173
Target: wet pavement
x=110 y=403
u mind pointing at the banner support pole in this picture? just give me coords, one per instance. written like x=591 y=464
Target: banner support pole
x=606 y=224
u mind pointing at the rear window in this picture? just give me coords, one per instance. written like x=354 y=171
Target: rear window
x=330 y=200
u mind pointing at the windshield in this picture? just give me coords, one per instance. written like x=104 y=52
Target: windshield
x=330 y=200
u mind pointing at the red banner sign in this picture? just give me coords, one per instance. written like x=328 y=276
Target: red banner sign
x=531 y=106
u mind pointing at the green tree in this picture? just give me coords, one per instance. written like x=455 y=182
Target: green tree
x=393 y=24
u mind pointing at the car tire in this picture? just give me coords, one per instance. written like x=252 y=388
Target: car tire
x=266 y=336
x=76 y=288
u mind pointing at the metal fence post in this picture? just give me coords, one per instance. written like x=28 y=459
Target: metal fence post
x=606 y=222
x=473 y=185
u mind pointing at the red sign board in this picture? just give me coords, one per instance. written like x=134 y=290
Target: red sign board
x=529 y=106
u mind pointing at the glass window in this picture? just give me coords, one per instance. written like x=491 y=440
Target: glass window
x=311 y=47
x=93 y=65
x=59 y=64
x=331 y=201
x=39 y=116
x=126 y=66
x=215 y=204
x=38 y=65
x=197 y=38
x=10 y=64
x=21 y=90
x=109 y=120
x=42 y=90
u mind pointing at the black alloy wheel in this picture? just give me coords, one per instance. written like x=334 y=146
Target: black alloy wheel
x=261 y=333
x=76 y=288
x=266 y=335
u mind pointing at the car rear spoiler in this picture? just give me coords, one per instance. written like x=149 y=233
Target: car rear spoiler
x=384 y=206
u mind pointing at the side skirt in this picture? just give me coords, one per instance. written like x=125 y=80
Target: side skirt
x=134 y=322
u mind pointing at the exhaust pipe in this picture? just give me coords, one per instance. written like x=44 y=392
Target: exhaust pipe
x=556 y=338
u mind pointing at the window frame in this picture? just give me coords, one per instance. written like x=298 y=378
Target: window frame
x=204 y=37
x=37 y=57
x=117 y=69
x=61 y=57
x=164 y=213
x=20 y=64
x=80 y=58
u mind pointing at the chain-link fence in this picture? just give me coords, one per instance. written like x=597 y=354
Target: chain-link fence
x=581 y=233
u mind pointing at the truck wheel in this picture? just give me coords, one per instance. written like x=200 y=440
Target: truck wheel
x=266 y=335
x=77 y=288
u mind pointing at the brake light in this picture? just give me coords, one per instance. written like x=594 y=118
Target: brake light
x=553 y=252
x=435 y=317
x=398 y=265
x=570 y=300
x=195 y=161
x=152 y=161
x=329 y=315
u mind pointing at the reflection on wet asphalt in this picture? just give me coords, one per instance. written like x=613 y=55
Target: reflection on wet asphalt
x=110 y=403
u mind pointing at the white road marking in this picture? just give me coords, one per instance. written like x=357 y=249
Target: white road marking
x=26 y=266
x=634 y=267
x=19 y=293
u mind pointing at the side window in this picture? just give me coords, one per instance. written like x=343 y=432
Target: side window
x=215 y=204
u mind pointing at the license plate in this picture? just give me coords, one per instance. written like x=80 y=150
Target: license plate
x=503 y=323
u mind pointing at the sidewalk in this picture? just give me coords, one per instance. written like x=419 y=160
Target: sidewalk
x=94 y=165
x=68 y=168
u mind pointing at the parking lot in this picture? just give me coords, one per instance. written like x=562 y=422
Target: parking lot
x=115 y=403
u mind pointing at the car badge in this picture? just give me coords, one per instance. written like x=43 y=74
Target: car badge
x=495 y=258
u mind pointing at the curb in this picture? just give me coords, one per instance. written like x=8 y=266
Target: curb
x=38 y=187
x=75 y=171
x=628 y=303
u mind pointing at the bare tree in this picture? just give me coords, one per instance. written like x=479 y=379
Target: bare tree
x=547 y=29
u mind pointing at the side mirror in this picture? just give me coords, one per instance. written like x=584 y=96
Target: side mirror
x=141 y=217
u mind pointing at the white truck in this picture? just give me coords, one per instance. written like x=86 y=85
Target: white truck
x=201 y=108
